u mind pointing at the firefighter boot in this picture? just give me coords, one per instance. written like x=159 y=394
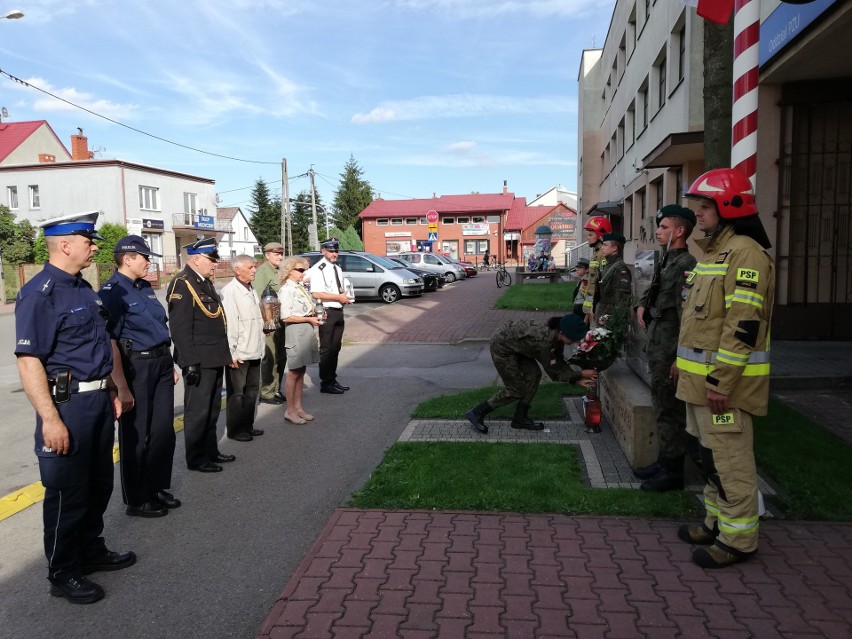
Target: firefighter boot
x=719 y=555
x=476 y=416
x=669 y=477
x=699 y=534
x=522 y=421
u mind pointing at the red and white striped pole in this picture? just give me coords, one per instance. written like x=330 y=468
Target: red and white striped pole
x=744 y=111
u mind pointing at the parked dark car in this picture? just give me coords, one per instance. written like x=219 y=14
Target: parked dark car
x=431 y=281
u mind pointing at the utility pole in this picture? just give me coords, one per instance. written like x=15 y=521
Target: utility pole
x=314 y=232
x=286 y=226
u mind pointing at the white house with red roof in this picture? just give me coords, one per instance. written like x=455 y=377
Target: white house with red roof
x=240 y=240
x=40 y=179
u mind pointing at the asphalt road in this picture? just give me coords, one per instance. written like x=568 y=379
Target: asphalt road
x=214 y=567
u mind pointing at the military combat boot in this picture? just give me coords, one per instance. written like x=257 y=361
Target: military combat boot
x=719 y=555
x=699 y=534
x=476 y=416
x=646 y=472
x=669 y=477
x=522 y=421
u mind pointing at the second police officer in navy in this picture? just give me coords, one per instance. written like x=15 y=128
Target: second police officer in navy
x=145 y=376
x=64 y=358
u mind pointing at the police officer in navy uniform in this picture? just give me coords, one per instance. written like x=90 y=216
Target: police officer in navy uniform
x=145 y=376
x=65 y=359
x=197 y=320
x=326 y=282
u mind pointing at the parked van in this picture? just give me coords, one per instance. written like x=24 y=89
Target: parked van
x=433 y=262
x=373 y=276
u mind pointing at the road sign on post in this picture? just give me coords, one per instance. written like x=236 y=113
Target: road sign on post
x=432 y=217
x=433 y=237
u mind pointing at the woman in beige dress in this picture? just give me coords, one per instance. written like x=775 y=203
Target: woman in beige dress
x=300 y=321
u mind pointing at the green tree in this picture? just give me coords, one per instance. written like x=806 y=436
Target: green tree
x=111 y=233
x=353 y=195
x=40 y=254
x=351 y=239
x=265 y=214
x=16 y=238
x=302 y=219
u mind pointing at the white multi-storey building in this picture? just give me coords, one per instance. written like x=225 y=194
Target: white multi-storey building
x=641 y=141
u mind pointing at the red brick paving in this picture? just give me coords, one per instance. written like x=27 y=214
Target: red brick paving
x=461 y=574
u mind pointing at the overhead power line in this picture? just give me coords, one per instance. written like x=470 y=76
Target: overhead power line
x=127 y=126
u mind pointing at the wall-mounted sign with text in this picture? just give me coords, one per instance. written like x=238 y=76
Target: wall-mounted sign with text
x=479 y=228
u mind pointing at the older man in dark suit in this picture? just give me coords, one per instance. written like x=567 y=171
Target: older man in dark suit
x=197 y=321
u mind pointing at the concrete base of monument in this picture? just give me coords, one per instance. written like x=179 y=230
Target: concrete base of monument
x=626 y=402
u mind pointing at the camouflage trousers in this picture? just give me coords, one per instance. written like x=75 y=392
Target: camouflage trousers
x=521 y=376
x=669 y=411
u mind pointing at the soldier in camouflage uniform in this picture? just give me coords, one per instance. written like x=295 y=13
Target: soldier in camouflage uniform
x=659 y=312
x=615 y=285
x=517 y=349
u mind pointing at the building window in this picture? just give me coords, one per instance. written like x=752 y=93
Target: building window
x=245 y=235
x=643 y=102
x=463 y=220
x=678 y=185
x=12 y=197
x=396 y=221
x=35 y=199
x=658 y=191
x=189 y=200
x=381 y=221
x=424 y=221
x=640 y=203
x=411 y=220
x=478 y=220
x=148 y=198
x=448 y=220
x=681 y=54
x=661 y=70
x=630 y=125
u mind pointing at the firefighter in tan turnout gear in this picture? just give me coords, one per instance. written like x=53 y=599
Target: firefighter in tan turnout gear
x=723 y=362
x=594 y=229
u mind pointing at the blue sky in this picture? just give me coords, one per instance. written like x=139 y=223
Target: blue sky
x=445 y=96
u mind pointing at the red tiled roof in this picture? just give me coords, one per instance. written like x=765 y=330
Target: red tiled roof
x=474 y=202
x=526 y=216
x=13 y=134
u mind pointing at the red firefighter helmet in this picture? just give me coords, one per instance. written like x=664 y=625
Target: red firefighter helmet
x=599 y=225
x=730 y=189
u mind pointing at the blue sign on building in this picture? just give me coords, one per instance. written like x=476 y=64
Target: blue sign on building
x=206 y=222
x=785 y=24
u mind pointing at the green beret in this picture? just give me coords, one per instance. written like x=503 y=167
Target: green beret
x=675 y=210
x=614 y=237
x=573 y=327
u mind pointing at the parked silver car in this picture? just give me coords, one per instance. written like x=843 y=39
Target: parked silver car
x=437 y=263
x=374 y=276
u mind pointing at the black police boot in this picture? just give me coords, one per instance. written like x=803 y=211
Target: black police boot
x=670 y=477
x=76 y=589
x=476 y=416
x=646 y=472
x=521 y=420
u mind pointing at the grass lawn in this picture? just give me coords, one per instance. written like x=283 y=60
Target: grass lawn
x=810 y=465
x=534 y=478
x=502 y=476
x=538 y=297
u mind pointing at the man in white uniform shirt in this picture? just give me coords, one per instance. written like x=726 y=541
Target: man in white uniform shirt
x=326 y=282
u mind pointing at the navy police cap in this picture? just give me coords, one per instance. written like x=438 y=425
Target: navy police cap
x=76 y=224
x=134 y=244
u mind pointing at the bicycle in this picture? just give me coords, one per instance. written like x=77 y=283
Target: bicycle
x=503 y=277
x=482 y=266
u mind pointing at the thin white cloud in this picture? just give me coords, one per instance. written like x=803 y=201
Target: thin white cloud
x=492 y=8
x=43 y=103
x=465 y=146
x=463 y=105
x=468 y=154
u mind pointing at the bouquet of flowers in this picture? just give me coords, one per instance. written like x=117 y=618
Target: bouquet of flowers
x=602 y=345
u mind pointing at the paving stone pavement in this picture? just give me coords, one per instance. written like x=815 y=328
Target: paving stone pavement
x=466 y=574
